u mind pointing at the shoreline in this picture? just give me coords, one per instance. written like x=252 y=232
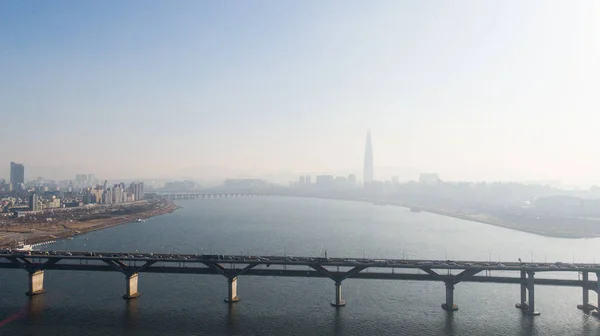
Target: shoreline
x=460 y=215
x=79 y=228
x=508 y=226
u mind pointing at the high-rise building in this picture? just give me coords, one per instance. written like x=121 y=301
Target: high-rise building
x=85 y=180
x=80 y=179
x=34 y=202
x=107 y=196
x=140 y=191
x=17 y=174
x=368 y=168
x=117 y=194
x=325 y=180
x=137 y=190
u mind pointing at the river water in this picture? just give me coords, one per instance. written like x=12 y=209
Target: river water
x=89 y=303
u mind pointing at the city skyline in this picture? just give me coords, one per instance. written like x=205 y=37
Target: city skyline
x=390 y=174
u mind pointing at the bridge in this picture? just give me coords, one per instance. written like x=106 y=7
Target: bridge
x=191 y=195
x=231 y=267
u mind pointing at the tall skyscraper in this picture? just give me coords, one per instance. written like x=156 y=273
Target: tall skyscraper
x=117 y=194
x=34 y=202
x=137 y=189
x=368 y=168
x=17 y=174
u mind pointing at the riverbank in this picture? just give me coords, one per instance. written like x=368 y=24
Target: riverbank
x=547 y=226
x=32 y=233
x=483 y=219
x=539 y=226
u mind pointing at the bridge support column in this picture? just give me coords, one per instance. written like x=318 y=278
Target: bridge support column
x=131 y=286
x=523 y=303
x=36 y=283
x=585 y=306
x=449 y=305
x=232 y=291
x=339 y=302
x=597 y=312
x=531 y=291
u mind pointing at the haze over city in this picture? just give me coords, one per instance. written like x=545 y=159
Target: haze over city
x=357 y=167
x=471 y=90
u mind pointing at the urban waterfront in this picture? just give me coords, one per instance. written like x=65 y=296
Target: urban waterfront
x=79 y=303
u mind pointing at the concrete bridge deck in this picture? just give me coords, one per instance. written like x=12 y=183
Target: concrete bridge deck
x=231 y=267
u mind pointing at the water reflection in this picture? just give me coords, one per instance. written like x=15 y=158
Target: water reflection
x=232 y=318
x=337 y=321
x=35 y=307
x=528 y=324
x=449 y=323
x=131 y=317
x=587 y=319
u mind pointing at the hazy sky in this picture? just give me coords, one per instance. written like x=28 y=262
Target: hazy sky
x=494 y=90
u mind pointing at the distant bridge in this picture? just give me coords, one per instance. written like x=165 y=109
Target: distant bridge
x=231 y=267
x=191 y=195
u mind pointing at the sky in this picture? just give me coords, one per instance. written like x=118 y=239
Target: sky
x=473 y=90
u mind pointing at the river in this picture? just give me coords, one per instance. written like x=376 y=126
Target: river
x=88 y=303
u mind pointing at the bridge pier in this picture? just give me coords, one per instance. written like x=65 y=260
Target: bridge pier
x=585 y=306
x=232 y=290
x=523 y=303
x=36 y=283
x=131 y=282
x=449 y=305
x=339 y=302
x=597 y=312
x=531 y=291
